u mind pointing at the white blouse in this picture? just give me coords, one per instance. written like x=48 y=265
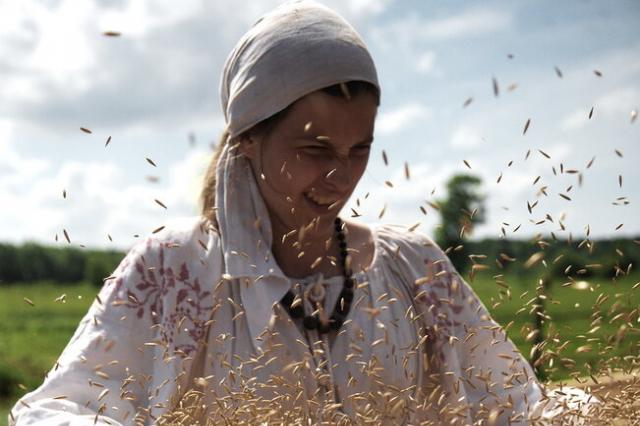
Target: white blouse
x=418 y=346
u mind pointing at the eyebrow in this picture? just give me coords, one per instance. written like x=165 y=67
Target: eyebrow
x=324 y=141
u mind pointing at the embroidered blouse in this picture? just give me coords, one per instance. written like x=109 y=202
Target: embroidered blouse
x=418 y=345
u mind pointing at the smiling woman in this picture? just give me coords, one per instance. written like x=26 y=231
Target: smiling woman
x=310 y=158
x=270 y=307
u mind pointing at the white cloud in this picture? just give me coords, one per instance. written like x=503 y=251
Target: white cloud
x=472 y=22
x=411 y=29
x=101 y=197
x=140 y=17
x=367 y=7
x=393 y=121
x=16 y=170
x=185 y=177
x=425 y=62
x=466 y=137
x=575 y=120
x=617 y=103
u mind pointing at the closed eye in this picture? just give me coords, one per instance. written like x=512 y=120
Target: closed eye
x=362 y=149
x=315 y=148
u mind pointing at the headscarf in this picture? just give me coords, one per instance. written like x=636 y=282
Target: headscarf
x=296 y=49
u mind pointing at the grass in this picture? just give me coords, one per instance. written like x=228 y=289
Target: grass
x=573 y=330
x=32 y=337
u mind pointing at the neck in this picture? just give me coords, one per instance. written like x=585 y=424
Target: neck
x=297 y=256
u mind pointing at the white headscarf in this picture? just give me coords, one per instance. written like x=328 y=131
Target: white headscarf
x=296 y=49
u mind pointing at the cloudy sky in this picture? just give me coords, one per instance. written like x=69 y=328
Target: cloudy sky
x=154 y=91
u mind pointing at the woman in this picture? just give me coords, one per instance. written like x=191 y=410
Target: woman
x=271 y=306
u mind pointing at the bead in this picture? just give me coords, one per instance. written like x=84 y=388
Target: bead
x=310 y=323
x=349 y=283
x=342 y=245
x=340 y=236
x=336 y=321
x=347 y=295
x=345 y=312
x=287 y=299
x=297 y=312
x=323 y=328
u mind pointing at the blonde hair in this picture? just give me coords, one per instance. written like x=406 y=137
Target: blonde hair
x=208 y=192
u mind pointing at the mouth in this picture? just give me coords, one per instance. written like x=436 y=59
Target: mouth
x=322 y=201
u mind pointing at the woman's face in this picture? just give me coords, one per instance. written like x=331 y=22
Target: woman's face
x=309 y=163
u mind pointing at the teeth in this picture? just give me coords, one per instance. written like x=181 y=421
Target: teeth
x=321 y=200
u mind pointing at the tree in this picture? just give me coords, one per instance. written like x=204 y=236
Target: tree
x=460 y=212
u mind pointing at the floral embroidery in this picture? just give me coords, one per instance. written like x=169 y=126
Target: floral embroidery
x=444 y=311
x=149 y=288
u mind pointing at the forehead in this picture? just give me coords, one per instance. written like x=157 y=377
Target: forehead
x=332 y=115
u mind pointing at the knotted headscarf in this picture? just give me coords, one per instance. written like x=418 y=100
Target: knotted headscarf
x=296 y=49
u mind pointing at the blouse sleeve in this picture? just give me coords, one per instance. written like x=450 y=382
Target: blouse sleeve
x=488 y=376
x=117 y=365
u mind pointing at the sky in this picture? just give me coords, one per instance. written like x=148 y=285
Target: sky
x=154 y=91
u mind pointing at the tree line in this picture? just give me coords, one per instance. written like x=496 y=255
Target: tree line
x=33 y=262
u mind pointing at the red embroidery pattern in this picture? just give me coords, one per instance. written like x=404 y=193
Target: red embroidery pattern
x=150 y=286
x=444 y=311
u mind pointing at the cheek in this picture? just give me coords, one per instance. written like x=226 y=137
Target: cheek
x=305 y=171
x=291 y=174
x=358 y=166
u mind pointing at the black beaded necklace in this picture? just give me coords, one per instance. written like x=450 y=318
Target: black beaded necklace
x=343 y=305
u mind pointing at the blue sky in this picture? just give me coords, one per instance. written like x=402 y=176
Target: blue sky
x=157 y=84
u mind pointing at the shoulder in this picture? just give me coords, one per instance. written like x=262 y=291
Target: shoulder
x=402 y=240
x=170 y=274
x=188 y=237
x=185 y=230
x=426 y=269
x=182 y=244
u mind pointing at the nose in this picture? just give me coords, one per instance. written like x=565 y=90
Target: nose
x=339 y=176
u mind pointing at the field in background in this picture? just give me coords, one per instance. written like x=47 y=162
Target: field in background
x=32 y=337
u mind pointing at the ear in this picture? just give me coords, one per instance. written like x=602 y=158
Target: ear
x=248 y=146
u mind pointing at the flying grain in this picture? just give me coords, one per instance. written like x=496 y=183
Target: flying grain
x=558 y=72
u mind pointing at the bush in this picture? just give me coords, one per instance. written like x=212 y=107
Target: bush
x=9 y=267
x=9 y=380
x=35 y=263
x=100 y=265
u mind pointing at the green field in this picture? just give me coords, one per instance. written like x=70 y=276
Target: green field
x=32 y=337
